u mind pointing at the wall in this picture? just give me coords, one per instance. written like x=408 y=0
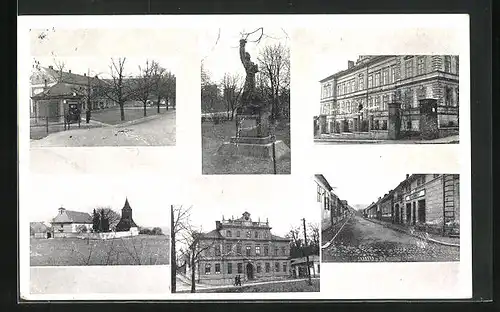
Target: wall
x=110 y=235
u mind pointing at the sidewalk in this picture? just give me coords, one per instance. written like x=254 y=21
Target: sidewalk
x=442 y=240
x=328 y=235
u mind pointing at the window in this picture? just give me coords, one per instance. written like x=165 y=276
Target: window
x=228 y=248
x=384 y=124
x=275 y=251
x=370 y=102
x=256 y=234
x=409 y=68
x=229 y=268
x=257 y=250
x=393 y=74
x=385 y=76
x=249 y=234
x=421 y=66
x=376 y=124
x=265 y=235
x=247 y=250
x=338 y=90
x=238 y=249
x=240 y=268
x=268 y=267
x=447 y=63
x=208 y=268
x=377 y=102
x=318 y=194
x=325 y=203
x=377 y=79
x=237 y=233
x=385 y=100
x=354 y=85
x=259 y=268
x=408 y=98
x=217 y=268
x=285 y=267
x=370 y=81
x=217 y=250
x=283 y=250
x=277 y=267
x=345 y=87
x=318 y=267
x=448 y=96
x=361 y=82
x=266 y=250
x=228 y=233
x=457 y=66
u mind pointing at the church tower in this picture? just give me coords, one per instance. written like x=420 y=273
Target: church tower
x=126 y=221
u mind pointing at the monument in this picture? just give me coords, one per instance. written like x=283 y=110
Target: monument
x=253 y=136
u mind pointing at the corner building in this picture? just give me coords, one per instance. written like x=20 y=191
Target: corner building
x=390 y=96
x=242 y=247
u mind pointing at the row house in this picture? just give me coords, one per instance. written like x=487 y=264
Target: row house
x=333 y=209
x=426 y=201
x=359 y=99
x=241 y=247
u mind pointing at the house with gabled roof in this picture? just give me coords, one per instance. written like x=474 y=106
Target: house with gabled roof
x=40 y=230
x=69 y=223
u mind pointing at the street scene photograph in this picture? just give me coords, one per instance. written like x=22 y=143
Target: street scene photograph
x=388 y=99
x=233 y=250
x=88 y=89
x=390 y=218
x=245 y=101
x=96 y=224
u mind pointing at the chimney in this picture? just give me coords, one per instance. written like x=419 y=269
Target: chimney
x=407 y=176
x=217 y=225
x=51 y=67
x=45 y=81
x=84 y=74
x=69 y=71
x=350 y=64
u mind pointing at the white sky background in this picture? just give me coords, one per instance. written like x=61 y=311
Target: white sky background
x=224 y=56
x=149 y=201
x=84 y=50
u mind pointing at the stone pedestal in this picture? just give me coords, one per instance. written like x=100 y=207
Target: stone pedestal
x=253 y=139
x=428 y=119
x=394 y=122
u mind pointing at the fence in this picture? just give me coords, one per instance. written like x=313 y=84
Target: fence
x=40 y=127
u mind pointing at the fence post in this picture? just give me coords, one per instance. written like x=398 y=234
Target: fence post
x=47 y=124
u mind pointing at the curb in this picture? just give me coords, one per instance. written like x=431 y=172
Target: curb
x=416 y=236
x=331 y=241
x=137 y=121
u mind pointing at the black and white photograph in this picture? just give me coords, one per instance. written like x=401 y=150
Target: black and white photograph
x=88 y=89
x=412 y=218
x=235 y=251
x=92 y=226
x=245 y=101
x=389 y=99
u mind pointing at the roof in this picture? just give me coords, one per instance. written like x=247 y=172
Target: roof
x=323 y=181
x=38 y=227
x=212 y=234
x=58 y=90
x=372 y=59
x=69 y=216
x=126 y=205
x=67 y=77
x=276 y=237
x=301 y=260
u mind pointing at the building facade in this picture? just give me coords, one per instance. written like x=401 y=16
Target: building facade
x=299 y=266
x=333 y=209
x=70 y=223
x=241 y=247
x=426 y=201
x=390 y=96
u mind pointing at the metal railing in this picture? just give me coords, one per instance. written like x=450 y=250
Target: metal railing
x=41 y=126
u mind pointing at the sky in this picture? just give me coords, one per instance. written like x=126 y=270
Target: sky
x=84 y=193
x=222 y=55
x=84 y=50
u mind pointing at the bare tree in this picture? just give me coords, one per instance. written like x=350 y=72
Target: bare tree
x=231 y=90
x=112 y=216
x=117 y=89
x=179 y=222
x=274 y=61
x=146 y=83
x=313 y=229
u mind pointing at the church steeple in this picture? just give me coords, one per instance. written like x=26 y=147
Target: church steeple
x=126 y=221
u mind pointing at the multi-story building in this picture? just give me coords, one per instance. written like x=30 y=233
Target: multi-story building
x=333 y=209
x=388 y=96
x=241 y=247
x=427 y=201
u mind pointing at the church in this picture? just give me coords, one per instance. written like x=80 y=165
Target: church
x=242 y=247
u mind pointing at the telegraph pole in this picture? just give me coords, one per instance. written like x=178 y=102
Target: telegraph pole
x=307 y=255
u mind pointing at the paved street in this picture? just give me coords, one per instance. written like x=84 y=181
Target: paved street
x=158 y=130
x=363 y=240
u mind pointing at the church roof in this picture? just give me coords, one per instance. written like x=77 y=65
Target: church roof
x=69 y=216
x=126 y=205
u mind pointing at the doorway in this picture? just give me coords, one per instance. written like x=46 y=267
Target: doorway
x=414 y=219
x=49 y=235
x=397 y=219
x=249 y=271
x=421 y=211
x=408 y=213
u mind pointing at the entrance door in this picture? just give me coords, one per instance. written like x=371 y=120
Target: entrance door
x=249 y=271
x=408 y=213
x=49 y=235
x=421 y=211
x=397 y=213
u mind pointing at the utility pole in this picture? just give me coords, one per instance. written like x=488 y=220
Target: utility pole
x=307 y=255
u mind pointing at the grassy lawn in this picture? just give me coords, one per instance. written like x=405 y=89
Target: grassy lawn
x=295 y=286
x=111 y=116
x=138 y=250
x=214 y=135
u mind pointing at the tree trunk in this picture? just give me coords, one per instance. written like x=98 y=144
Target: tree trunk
x=166 y=102
x=158 y=104
x=122 y=111
x=173 y=263
x=144 y=105
x=193 y=275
